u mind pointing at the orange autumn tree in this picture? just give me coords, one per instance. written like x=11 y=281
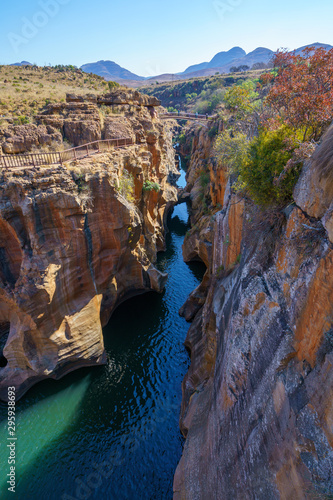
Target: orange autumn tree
x=301 y=93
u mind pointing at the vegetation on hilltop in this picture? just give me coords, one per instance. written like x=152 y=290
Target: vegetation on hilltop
x=26 y=89
x=202 y=95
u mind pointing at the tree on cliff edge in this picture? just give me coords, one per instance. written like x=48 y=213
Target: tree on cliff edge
x=302 y=91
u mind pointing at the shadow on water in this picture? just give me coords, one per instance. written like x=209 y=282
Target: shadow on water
x=111 y=432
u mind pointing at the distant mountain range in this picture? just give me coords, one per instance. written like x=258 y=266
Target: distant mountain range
x=23 y=63
x=315 y=46
x=220 y=63
x=221 y=59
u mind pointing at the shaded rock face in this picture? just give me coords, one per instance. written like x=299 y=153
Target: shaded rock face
x=314 y=191
x=22 y=138
x=74 y=243
x=198 y=242
x=79 y=132
x=257 y=400
x=128 y=96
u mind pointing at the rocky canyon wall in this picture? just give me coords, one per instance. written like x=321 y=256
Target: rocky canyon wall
x=79 y=238
x=257 y=407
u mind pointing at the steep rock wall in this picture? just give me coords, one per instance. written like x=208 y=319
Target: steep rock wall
x=203 y=191
x=75 y=241
x=257 y=400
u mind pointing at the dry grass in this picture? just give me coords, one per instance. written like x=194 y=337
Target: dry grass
x=25 y=90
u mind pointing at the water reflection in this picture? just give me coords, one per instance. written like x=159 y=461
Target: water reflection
x=111 y=432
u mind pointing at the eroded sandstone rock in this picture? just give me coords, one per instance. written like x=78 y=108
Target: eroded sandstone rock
x=257 y=407
x=86 y=118
x=314 y=191
x=75 y=241
x=21 y=138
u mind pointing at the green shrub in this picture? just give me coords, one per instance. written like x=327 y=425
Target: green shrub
x=232 y=151
x=213 y=131
x=208 y=101
x=126 y=186
x=191 y=97
x=22 y=120
x=202 y=107
x=113 y=85
x=204 y=179
x=260 y=166
x=182 y=138
x=151 y=186
x=267 y=180
x=242 y=98
x=268 y=156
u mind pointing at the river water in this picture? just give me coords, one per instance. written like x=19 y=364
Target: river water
x=112 y=432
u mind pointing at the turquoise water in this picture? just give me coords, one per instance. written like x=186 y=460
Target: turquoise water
x=111 y=432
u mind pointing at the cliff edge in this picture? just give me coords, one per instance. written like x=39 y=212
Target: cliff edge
x=78 y=239
x=257 y=407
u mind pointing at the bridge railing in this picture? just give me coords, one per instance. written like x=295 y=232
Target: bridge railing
x=190 y=116
x=78 y=153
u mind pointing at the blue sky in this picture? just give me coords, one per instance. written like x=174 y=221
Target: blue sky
x=150 y=37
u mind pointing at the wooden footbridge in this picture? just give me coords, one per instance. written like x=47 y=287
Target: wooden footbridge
x=187 y=116
x=18 y=161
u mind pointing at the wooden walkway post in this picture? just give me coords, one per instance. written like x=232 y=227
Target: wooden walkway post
x=34 y=160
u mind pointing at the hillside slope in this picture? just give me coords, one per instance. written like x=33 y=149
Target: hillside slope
x=25 y=90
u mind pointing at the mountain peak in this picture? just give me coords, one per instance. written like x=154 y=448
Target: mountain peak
x=222 y=58
x=22 y=63
x=219 y=59
x=315 y=45
x=110 y=71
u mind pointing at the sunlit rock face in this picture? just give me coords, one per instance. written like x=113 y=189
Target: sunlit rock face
x=257 y=407
x=84 y=119
x=75 y=241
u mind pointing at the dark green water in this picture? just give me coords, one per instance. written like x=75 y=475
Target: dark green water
x=112 y=432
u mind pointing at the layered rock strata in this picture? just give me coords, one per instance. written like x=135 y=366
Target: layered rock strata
x=257 y=407
x=80 y=120
x=76 y=240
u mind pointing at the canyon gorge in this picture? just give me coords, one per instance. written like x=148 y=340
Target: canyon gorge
x=257 y=407
x=78 y=240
